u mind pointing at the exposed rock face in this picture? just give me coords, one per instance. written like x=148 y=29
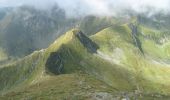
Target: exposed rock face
x=88 y=43
x=54 y=63
x=134 y=32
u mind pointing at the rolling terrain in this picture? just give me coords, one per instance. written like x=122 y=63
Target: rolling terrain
x=119 y=61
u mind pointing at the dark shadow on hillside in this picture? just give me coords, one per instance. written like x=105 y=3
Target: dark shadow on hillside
x=54 y=64
x=88 y=43
x=135 y=35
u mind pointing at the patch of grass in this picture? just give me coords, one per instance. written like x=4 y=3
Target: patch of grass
x=76 y=86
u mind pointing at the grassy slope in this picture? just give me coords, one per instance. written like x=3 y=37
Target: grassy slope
x=118 y=63
x=16 y=72
x=37 y=76
x=63 y=87
x=147 y=75
x=156 y=43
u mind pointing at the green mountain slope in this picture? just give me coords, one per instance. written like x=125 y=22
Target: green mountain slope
x=116 y=62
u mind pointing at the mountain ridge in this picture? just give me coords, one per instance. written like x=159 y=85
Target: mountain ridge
x=116 y=62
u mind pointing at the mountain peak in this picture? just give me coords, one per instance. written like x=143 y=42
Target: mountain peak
x=72 y=33
x=75 y=34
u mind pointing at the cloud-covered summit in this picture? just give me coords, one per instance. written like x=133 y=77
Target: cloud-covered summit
x=96 y=7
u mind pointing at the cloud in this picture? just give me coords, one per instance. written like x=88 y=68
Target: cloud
x=96 y=7
x=111 y=7
x=43 y=4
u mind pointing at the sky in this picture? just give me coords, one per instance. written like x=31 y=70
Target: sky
x=97 y=7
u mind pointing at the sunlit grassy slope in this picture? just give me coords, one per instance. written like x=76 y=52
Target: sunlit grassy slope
x=146 y=73
x=108 y=63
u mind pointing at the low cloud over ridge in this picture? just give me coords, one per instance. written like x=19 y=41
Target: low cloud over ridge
x=95 y=7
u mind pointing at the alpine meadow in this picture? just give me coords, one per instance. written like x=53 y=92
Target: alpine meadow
x=84 y=50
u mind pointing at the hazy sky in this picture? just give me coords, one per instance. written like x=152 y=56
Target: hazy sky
x=100 y=7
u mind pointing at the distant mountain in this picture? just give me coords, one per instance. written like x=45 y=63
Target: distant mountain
x=26 y=29
x=160 y=21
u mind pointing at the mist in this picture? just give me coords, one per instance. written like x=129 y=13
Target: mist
x=95 y=7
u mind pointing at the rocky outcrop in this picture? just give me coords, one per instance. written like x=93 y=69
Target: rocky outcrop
x=88 y=43
x=54 y=63
x=136 y=40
